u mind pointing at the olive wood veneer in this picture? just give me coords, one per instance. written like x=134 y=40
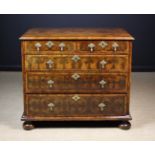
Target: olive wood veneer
x=76 y=74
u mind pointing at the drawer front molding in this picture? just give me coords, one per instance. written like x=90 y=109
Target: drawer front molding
x=85 y=62
x=104 y=46
x=87 y=105
x=73 y=47
x=32 y=47
x=75 y=83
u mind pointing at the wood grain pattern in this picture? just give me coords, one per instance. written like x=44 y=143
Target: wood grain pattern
x=75 y=47
x=123 y=46
x=31 y=49
x=123 y=118
x=87 y=105
x=37 y=73
x=76 y=34
x=86 y=83
x=86 y=62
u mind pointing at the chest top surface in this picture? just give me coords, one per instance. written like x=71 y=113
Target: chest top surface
x=76 y=34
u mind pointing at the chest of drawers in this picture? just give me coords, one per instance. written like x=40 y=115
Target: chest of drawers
x=72 y=74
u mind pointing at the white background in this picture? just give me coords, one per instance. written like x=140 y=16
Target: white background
x=77 y=6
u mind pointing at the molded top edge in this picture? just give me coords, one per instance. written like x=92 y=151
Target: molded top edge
x=76 y=34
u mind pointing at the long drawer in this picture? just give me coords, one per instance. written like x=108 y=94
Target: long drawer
x=97 y=63
x=76 y=105
x=41 y=82
x=76 y=47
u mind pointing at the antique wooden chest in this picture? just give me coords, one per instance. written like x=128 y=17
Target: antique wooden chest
x=76 y=74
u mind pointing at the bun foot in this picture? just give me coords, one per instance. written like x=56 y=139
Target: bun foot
x=28 y=126
x=125 y=125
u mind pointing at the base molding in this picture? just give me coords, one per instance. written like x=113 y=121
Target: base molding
x=75 y=118
x=120 y=121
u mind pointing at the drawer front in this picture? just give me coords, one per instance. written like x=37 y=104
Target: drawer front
x=76 y=47
x=92 y=63
x=75 y=83
x=111 y=47
x=76 y=105
x=48 y=47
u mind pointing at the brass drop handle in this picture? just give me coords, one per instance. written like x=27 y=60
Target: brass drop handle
x=49 y=44
x=37 y=45
x=102 y=83
x=103 y=63
x=50 y=63
x=91 y=46
x=50 y=83
x=51 y=106
x=102 y=106
x=62 y=45
x=75 y=58
x=115 y=46
x=75 y=76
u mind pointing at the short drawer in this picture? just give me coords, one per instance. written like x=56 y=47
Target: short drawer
x=105 y=47
x=75 y=82
x=48 y=47
x=76 y=105
x=99 y=63
x=76 y=47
